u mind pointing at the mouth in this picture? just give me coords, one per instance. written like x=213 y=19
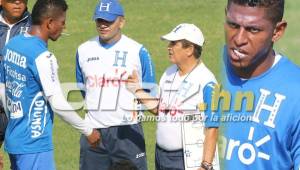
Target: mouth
x=237 y=54
x=17 y=10
x=104 y=31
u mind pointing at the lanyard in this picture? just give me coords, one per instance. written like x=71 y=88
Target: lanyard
x=170 y=91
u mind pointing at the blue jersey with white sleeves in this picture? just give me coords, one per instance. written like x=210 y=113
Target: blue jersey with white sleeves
x=266 y=134
x=30 y=76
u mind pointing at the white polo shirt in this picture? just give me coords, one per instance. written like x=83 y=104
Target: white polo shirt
x=186 y=93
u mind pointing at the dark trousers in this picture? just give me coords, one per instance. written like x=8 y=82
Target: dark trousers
x=117 y=144
x=168 y=160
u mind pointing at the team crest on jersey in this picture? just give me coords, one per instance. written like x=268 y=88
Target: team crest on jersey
x=120 y=58
x=37 y=115
x=24 y=30
x=49 y=56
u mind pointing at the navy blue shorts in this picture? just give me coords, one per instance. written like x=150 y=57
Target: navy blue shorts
x=117 y=144
x=35 y=161
x=168 y=160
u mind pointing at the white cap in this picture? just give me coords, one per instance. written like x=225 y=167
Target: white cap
x=185 y=31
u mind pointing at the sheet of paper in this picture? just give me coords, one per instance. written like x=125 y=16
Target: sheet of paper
x=193 y=140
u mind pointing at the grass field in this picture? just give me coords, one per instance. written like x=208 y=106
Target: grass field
x=147 y=20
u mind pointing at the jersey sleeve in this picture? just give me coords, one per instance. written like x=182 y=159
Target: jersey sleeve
x=148 y=70
x=295 y=151
x=47 y=67
x=212 y=117
x=79 y=76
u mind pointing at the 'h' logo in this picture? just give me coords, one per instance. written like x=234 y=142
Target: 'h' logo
x=104 y=6
x=24 y=30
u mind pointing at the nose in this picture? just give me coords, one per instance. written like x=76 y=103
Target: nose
x=169 y=48
x=240 y=37
x=17 y=1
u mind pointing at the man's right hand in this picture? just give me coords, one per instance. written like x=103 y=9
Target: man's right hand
x=132 y=83
x=94 y=138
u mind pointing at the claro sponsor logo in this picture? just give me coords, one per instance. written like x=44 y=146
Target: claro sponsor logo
x=37 y=115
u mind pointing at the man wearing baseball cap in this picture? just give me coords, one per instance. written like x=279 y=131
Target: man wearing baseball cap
x=102 y=63
x=183 y=85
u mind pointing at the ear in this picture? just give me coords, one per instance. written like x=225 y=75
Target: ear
x=190 y=50
x=48 y=23
x=279 y=30
x=122 y=22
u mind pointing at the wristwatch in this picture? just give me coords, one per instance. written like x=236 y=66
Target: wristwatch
x=207 y=166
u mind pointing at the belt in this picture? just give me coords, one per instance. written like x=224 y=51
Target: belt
x=162 y=149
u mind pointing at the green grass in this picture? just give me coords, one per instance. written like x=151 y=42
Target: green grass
x=146 y=21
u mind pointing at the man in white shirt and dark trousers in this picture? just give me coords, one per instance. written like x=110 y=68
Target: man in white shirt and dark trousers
x=102 y=65
x=184 y=85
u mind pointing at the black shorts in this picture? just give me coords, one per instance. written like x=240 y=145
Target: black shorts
x=168 y=160
x=117 y=144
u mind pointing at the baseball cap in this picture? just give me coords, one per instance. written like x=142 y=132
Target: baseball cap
x=108 y=10
x=185 y=31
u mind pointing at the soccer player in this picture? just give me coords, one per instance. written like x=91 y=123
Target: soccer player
x=183 y=85
x=14 y=20
x=33 y=89
x=102 y=65
x=263 y=85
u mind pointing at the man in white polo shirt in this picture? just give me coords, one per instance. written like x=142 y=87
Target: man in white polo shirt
x=184 y=85
x=102 y=64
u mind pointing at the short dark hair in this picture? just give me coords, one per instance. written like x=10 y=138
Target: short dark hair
x=197 y=48
x=275 y=8
x=124 y=165
x=47 y=8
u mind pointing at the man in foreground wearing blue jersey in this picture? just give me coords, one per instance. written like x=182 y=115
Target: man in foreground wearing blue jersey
x=102 y=65
x=33 y=89
x=267 y=82
x=14 y=20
